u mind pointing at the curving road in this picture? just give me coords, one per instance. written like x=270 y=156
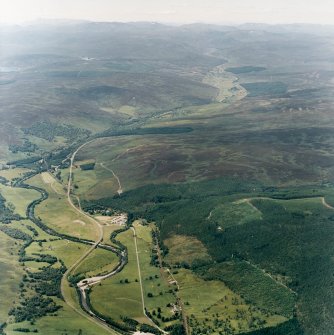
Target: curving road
x=120 y=190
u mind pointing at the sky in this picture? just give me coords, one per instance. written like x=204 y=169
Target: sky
x=171 y=11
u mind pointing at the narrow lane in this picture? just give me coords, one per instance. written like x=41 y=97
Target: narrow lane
x=141 y=284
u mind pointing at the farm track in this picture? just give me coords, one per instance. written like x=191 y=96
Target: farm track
x=120 y=190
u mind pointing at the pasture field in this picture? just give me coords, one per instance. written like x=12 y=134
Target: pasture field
x=107 y=152
x=124 y=288
x=34 y=266
x=56 y=213
x=253 y=284
x=27 y=225
x=159 y=294
x=114 y=297
x=19 y=197
x=87 y=185
x=212 y=305
x=10 y=274
x=10 y=174
x=98 y=262
x=107 y=231
x=52 y=182
x=235 y=213
x=7 y=156
x=64 y=321
x=67 y=251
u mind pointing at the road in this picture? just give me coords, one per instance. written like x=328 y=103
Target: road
x=139 y=272
x=140 y=282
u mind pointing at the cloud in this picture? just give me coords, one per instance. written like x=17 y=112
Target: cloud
x=162 y=12
x=270 y=11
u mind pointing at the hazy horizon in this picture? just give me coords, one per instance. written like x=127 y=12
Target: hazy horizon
x=173 y=12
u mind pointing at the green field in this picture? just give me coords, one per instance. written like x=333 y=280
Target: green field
x=19 y=197
x=87 y=182
x=115 y=298
x=59 y=215
x=27 y=225
x=158 y=292
x=13 y=173
x=65 y=321
x=212 y=305
x=253 y=284
x=10 y=275
x=237 y=213
x=98 y=262
x=67 y=251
